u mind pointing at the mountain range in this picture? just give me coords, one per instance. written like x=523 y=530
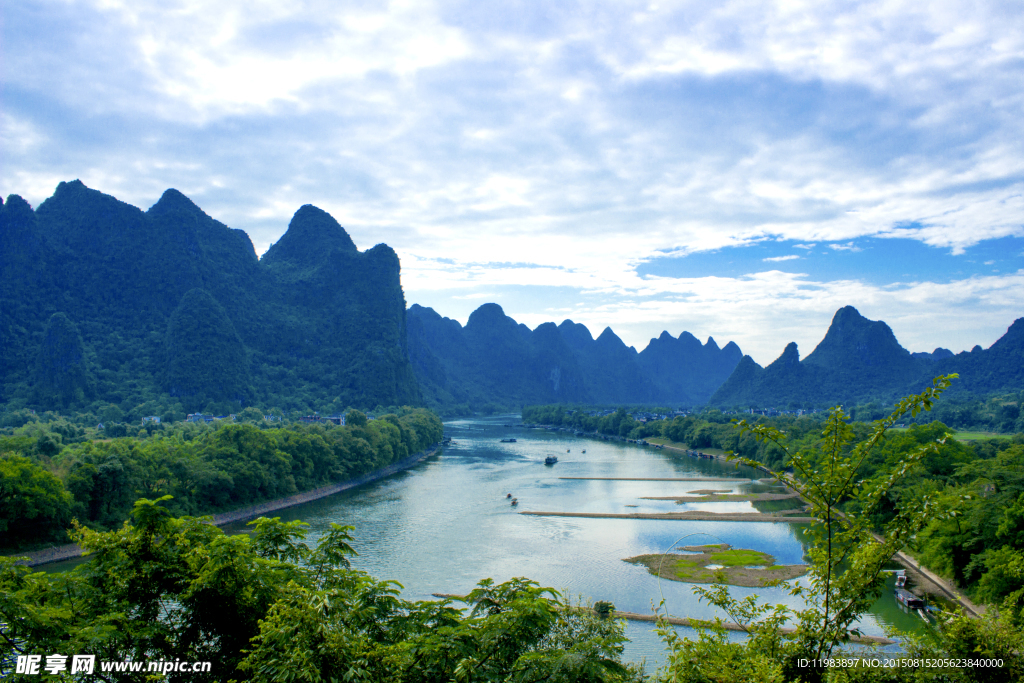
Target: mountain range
x=170 y=310
x=103 y=302
x=860 y=360
x=494 y=359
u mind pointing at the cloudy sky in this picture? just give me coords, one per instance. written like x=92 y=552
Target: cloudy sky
x=739 y=169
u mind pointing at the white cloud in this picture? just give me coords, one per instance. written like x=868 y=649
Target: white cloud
x=760 y=311
x=581 y=139
x=789 y=257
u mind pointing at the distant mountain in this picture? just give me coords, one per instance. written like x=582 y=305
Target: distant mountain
x=103 y=303
x=687 y=370
x=938 y=354
x=861 y=360
x=494 y=359
x=1000 y=367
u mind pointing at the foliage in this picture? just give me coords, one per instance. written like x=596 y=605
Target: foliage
x=61 y=375
x=209 y=469
x=205 y=356
x=267 y=607
x=327 y=335
x=982 y=546
x=846 y=559
x=33 y=503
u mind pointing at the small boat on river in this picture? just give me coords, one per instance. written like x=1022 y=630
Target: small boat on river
x=508 y=440
x=550 y=460
x=908 y=599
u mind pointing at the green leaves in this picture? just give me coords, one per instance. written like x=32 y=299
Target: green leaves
x=846 y=556
x=33 y=503
x=266 y=607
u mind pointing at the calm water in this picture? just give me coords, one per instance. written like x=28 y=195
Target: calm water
x=445 y=524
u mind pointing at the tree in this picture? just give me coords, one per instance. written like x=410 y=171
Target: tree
x=33 y=503
x=846 y=557
x=250 y=414
x=267 y=607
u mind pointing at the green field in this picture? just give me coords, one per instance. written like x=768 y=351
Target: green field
x=662 y=441
x=968 y=436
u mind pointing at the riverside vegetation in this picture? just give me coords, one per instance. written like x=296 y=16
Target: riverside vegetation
x=45 y=482
x=265 y=607
x=980 y=547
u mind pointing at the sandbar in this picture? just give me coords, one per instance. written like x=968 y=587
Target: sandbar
x=738 y=566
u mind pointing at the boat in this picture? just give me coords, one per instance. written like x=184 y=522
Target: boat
x=584 y=450
x=901 y=578
x=508 y=440
x=908 y=599
x=550 y=460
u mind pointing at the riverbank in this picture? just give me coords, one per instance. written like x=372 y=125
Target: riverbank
x=70 y=551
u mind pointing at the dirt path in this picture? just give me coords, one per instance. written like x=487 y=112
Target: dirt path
x=71 y=550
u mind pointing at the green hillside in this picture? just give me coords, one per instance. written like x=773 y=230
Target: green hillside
x=102 y=303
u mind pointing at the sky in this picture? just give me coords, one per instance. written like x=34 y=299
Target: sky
x=733 y=168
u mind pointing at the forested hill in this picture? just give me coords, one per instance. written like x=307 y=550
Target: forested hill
x=101 y=302
x=860 y=360
x=494 y=359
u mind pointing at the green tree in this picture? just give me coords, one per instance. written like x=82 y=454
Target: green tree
x=250 y=414
x=267 y=607
x=34 y=505
x=846 y=557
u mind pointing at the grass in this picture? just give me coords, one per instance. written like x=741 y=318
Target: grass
x=662 y=441
x=977 y=436
x=738 y=557
x=967 y=436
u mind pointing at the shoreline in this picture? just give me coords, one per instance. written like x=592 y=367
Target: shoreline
x=70 y=551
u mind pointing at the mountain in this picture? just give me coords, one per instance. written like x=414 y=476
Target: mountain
x=170 y=309
x=685 y=369
x=494 y=359
x=1000 y=367
x=860 y=360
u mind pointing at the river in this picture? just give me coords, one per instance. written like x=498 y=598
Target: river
x=445 y=524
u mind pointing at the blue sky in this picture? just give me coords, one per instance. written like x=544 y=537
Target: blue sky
x=735 y=169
